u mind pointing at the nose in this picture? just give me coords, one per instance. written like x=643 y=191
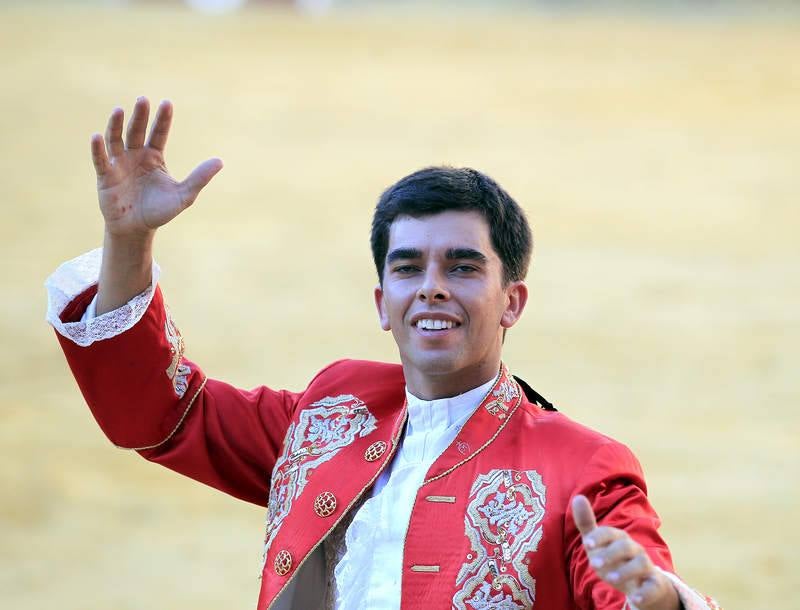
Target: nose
x=433 y=287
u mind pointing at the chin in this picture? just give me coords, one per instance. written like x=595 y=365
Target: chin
x=436 y=364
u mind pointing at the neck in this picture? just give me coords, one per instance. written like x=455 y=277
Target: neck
x=427 y=386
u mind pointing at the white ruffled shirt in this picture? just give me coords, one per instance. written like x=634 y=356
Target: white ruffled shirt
x=370 y=571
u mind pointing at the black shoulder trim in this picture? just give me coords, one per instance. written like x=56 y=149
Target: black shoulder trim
x=534 y=396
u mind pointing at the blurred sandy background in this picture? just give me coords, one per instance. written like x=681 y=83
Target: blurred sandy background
x=656 y=154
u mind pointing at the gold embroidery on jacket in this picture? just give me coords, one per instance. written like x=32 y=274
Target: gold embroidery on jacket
x=320 y=432
x=503 y=396
x=177 y=371
x=503 y=524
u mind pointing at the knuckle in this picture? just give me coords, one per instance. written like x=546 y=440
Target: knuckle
x=618 y=548
x=629 y=547
x=602 y=535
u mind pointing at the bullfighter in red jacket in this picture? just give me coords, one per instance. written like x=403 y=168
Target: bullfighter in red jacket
x=442 y=483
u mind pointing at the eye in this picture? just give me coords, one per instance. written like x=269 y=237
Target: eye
x=405 y=269
x=464 y=268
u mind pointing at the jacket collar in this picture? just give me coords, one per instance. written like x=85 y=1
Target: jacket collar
x=482 y=428
x=443 y=413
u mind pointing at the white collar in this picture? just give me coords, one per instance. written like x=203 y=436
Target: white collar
x=442 y=413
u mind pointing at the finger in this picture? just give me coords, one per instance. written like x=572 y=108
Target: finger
x=619 y=551
x=160 y=129
x=598 y=542
x=99 y=156
x=583 y=515
x=137 y=125
x=114 y=142
x=630 y=574
x=601 y=536
x=197 y=180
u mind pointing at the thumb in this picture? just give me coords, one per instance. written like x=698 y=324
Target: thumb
x=198 y=179
x=583 y=515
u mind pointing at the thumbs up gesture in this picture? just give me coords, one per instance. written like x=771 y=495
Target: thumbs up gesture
x=623 y=563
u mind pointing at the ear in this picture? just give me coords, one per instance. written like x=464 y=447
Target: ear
x=383 y=316
x=517 y=298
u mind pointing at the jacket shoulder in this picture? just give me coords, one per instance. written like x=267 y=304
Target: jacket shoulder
x=564 y=432
x=348 y=366
x=348 y=373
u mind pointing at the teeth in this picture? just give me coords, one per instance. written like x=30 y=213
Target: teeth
x=428 y=324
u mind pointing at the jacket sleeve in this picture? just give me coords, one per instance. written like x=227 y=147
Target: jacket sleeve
x=147 y=396
x=614 y=484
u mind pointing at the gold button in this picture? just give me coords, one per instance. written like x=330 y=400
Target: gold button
x=325 y=504
x=283 y=563
x=374 y=451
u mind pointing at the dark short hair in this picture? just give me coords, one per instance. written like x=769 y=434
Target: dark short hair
x=438 y=189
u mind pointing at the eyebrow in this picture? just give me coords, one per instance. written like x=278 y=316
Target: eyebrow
x=451 y=254
x=465 y=254
x=403 y=254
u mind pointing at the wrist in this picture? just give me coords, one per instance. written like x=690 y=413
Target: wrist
x=130 y=254
x=139 y=238
x=126 y=269
x=669 y=600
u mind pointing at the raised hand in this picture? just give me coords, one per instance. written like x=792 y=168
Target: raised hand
x=622 y=562
x=137 y=195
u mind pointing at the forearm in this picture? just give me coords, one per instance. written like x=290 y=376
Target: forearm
x=125 y=269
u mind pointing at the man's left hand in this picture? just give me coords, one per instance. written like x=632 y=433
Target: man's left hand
x=623 y=563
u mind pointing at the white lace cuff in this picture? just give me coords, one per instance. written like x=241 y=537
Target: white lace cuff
x=690 y=598
x=75 y=276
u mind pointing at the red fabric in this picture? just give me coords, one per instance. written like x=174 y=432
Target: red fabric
x=230 y=439
x=571 y=459
x=614 y=483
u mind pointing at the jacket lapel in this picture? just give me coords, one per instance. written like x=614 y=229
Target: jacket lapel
x=482 y=427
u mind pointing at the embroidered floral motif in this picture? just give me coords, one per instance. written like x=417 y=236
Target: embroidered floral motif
x=177 y=371
x=508 y=390
x=484 y=600
x=503 y=525
x=321 y=431
x=503 y=396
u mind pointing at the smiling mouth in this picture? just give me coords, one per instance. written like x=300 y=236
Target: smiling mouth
x=429 y=324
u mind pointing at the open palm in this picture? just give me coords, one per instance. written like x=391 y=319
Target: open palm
x=137 y=195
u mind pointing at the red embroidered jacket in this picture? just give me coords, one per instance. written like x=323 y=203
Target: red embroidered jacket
x=491 y=526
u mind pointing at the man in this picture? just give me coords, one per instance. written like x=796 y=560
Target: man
x=444 y=483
